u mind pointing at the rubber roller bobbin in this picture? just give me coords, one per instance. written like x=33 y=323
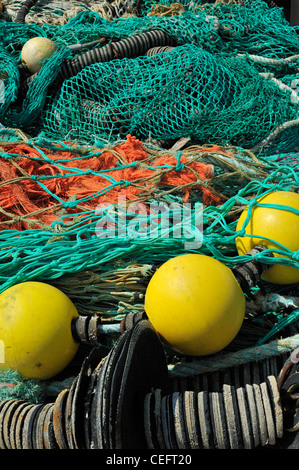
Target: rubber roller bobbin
x=123 y=400
x=88 y=329
x=85 y=329
x=249 y=274
x=126 y=383
x=131 y=319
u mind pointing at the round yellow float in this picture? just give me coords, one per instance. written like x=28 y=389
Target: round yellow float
x=195 y=304
x=35 y=328
x=276 y=224
x=35 y=51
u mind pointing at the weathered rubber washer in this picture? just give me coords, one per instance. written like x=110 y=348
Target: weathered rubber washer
x=68 y=415
x=88 y=422
x=253 y=414
x=94 y=360
x=192 y=421
x=3 y=407
x=78 y=405
x=29 y=426
x=20 y=424
x=232 y=416
x=59 y=419
x=116 y=365
x=97 y=410
x=205 y=420
x=145 y=369
x=164 y=420
x=276 y=405
x=245 y=419
x=49 y=435
x=157 y=411
x=38 y=438
x=262 y=425
x=268 y=414
x=150 y=422
x=179 y=421
x=171 y=423
x=7 y=419
x=13 y=426
x=218 y=421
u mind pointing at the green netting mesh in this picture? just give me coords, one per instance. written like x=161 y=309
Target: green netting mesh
x=186 y=92
x=115 y=98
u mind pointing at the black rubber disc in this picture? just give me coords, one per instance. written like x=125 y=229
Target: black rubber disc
x=29 y=426
x=205 y=420
x=145 y=369
x=150 y=422
x=218 y=420
x=38 y=440
x=157 y=412
x=7 y=421
x=78 y=408
x=13 y=425
x=179 y=421
x=262 y=425
x=171 y=423
x=276 y=405
x=253 y=414
x=268 y=414
x=191 y=418
x=20 y=425
x=164 y=421
x=245 y=418
x=49 y=436
x=232 y=416
x=59 y=419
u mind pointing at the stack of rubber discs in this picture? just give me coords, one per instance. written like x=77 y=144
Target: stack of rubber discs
x=124 y=400
x=24 y=425
x=103 y=408
x=234 y=418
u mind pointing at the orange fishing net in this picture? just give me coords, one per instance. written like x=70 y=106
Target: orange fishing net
x=36 y=182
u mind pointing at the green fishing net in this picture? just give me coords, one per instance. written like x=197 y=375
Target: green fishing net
x=202 y=88
x=186 y=92
x=210 y=87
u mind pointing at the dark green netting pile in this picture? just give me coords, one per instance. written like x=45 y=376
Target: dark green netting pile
x=208 y=87
x=187 y=92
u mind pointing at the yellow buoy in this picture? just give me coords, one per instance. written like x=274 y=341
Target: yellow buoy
x=35 y=51
x=35 y=328
x=276 y=225
x=195 y=304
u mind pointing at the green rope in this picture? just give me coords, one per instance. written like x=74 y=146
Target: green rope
x=234 y=359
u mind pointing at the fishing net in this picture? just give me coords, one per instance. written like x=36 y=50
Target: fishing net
x=214 y=78
x=52 y=193
x=209 y=99
x=187 y=103
x=60 y=12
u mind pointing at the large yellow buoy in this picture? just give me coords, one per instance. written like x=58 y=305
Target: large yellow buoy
x=195 y=304
x=35 y=328
x=279 y=225
x=35 y=51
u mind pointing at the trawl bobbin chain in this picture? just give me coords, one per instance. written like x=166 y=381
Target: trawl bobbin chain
x=123 y=400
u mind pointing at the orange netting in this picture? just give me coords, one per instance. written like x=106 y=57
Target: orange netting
x=30 y=182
